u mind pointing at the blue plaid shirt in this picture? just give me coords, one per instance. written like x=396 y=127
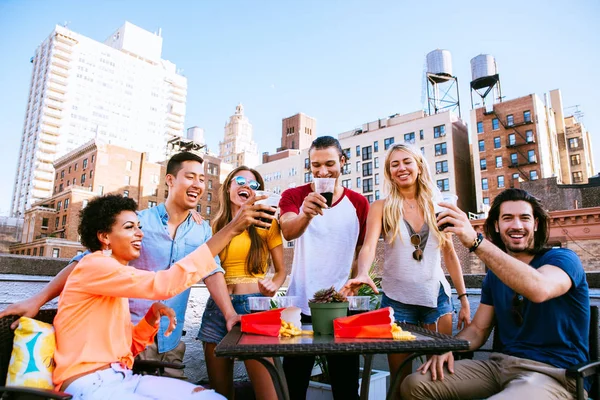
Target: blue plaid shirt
x=159 y=252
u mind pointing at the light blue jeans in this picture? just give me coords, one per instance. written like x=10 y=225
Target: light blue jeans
x=120 y=383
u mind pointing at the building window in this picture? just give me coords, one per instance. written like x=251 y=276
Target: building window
x=480 y=127
x=510 y=120
x=376 y=162
x=367 y=169
x=209 y=184
x=75 y=167
x=45 y=223
x=28 y=252
x=440 y=149
x=125 y=193
x=42 y=251
x=91 y=174
x=495 y=124
x=369 y=198
x=68 y=183
x=58 y=206
x=358 y=182
x=127 y=180
x=486 y=201
x=421 y=136
x=512 y=139
x=577 y=177
x=423 y=150
x=347 y=183
x=64 y=220
x=55 y=253
x=441 y=166
x=527 y=116
x=346 y=152
x=439 y=131
x=66 y=203
x=533 y=175
x=481 y=145
x=35 y=251
x=208 y=210
x=85 y=163
x=209 y=196
x=497 y=143
x=483 y=164
x=388 y=142
x=357 y=151
x=575 y=159
x=573 y=143
x=101 y=190
x=514 y=159
x=367 y=185
x=358 y=166
x=367 y=153
x=377 y=196
x=307 y=177
x=306 y=163
x=484 y=184
x=500 y=180
x=153 y=204
x=60 y=187
x=377 y=179
x=128 y=165
x=82 y=179
x=409 y=137
x=498 y=161
x=443 y=184
x=376 y=146
x=93 y=157
x=56 y=222
x=62 y=174
x=531 y=156
x=529 y=136
x=84 y=203
x=346 y=169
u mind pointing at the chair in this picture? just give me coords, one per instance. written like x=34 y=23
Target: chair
x=23 y=393
x=578 y=372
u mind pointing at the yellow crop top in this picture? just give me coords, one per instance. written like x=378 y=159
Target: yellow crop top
x=234 y=263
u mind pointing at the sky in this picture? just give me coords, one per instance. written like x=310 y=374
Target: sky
x=342 y=62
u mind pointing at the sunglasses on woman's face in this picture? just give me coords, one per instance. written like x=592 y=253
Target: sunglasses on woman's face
x=415 y=240
x=241 y=181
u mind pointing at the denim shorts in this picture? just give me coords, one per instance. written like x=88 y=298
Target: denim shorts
x=419 y=315
x=214 y=327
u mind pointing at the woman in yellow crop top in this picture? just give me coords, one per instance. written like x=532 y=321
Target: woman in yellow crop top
x=245 y=262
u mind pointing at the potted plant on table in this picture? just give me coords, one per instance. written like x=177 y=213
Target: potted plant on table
x=325 y=306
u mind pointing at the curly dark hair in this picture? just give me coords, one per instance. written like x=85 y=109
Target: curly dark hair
x=540 y=236
x=99 y=216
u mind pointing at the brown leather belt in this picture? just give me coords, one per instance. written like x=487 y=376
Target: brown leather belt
x=72 y=379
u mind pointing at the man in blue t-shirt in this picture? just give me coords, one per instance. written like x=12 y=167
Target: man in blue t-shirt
x=537 y=298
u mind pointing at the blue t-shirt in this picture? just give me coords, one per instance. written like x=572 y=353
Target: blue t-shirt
x=554 y=332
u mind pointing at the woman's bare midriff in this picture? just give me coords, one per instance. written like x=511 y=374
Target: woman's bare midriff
x=243 y=288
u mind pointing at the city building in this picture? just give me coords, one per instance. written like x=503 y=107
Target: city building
x=119 y=91
x=297 y=133
x=237 y=147
x=526 y=139
x=442 y=138
x=96 y=168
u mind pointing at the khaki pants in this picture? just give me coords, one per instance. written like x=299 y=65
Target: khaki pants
x=500 y=377
x=173 y=356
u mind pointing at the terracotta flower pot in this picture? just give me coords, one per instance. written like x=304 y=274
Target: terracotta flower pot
x=323 y=315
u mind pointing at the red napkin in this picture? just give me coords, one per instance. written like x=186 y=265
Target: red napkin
x=372 y=324
x=268 y=323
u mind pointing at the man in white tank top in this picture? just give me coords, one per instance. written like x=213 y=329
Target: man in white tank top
x=327 y=242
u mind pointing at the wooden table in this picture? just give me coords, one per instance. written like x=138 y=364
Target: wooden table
x=257 y=347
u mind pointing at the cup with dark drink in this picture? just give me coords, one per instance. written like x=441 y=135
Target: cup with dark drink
x=325 y=187
x=272 y=200
x=445 y=198
x=258 y=304
x=358 y=304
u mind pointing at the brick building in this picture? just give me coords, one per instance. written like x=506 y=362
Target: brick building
x=96 y=168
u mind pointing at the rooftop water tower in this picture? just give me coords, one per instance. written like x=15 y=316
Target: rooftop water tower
x=485 y=78
x=442 y=86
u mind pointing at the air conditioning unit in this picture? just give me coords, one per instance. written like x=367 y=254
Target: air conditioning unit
x=442 y=134
x=438 y=153
x=438 y=171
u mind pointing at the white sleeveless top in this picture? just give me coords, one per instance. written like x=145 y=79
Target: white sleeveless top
x=410 y=281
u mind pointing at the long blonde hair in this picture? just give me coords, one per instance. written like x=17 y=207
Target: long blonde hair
x=392 y=208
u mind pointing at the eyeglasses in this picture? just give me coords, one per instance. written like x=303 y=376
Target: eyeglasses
x=518 y=303
x=241 y=181
x=415 y=240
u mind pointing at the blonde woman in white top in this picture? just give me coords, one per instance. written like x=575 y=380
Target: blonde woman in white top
x=413 y=281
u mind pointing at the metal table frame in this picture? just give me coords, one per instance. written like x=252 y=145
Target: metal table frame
x=427 y=342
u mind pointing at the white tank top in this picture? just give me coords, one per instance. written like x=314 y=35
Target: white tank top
x=410 y=281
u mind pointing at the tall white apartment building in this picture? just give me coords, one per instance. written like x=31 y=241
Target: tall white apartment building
x=442 y=138
x=237 y=147
x=119 y=91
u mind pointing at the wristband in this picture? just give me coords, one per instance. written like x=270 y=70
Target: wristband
x=462 y=295
x=476 y=243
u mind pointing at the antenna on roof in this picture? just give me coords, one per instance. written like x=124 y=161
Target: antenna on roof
x=65 y=24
